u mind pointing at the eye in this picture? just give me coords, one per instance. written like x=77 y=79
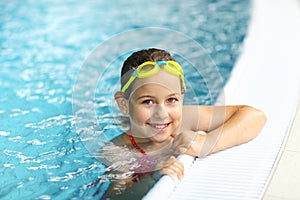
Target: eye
x=147 y=102
x=172 y=100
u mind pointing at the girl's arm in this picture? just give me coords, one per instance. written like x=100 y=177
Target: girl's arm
x=226 y=126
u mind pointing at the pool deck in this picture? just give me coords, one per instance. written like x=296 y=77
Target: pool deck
x=285 y=181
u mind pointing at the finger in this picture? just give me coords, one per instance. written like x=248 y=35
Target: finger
x=176 y=169
x=179 y=168
x=173 y=176
x=168 y=162
x=175 y=172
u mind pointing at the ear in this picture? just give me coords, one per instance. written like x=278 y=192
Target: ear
x=122 y=102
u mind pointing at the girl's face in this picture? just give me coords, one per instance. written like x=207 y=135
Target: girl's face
x=155 y=107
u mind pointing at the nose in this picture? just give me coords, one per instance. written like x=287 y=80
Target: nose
x=160 y=111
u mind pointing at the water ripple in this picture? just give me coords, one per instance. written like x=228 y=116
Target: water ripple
x=43 y=45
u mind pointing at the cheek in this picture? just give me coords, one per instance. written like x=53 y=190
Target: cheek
x=139 y=113
x=176 y=113
x=178 y=116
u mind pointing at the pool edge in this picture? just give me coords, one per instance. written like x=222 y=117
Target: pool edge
x=275 y=187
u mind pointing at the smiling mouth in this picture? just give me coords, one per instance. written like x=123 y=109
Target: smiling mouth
x=159 y=127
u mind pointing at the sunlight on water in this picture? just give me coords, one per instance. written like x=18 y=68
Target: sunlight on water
x=44 y=44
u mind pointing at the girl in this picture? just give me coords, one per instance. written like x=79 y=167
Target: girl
x=152 y=93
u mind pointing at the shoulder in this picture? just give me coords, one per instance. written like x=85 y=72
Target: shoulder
x=196 y=110
x=121 y=140
x=192 y=115
x=203 y=118
x=211 y=110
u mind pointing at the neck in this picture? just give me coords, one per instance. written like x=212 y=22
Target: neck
x=140 y=140
x=135 y=145
x=141 y=144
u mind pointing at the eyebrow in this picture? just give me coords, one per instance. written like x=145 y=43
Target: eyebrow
x=175 y=94
x=149 y=96
x=145 y=96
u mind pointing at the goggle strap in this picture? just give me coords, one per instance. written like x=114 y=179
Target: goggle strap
x=161 y=62
x=125 y=87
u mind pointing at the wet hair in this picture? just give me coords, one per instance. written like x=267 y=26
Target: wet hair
x=139 y=57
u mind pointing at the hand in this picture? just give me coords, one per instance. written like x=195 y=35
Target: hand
x=119 y=186
x=189 y=142
x=173 y=167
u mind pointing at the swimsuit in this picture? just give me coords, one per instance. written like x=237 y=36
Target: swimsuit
x=146 y=163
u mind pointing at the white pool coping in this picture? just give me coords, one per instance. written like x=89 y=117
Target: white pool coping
x=266 y=77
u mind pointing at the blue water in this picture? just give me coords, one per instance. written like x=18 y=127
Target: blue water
x=43 y=46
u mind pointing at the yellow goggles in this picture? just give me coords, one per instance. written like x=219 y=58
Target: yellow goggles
x=150 y=68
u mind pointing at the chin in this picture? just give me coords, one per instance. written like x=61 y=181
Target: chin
x=160 y=138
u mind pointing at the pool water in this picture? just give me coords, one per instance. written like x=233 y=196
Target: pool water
x=43 y=46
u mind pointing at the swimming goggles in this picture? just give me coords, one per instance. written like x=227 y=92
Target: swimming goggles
x=149 y=68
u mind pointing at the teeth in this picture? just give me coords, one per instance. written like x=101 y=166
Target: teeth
x=159 y=126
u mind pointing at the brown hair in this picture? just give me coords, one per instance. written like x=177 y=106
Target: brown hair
x=139 y=57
